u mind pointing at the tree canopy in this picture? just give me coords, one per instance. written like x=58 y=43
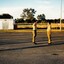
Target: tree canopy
x=41 y=17
x=28 y=14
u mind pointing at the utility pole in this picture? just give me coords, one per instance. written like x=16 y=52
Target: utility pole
x=61 y=16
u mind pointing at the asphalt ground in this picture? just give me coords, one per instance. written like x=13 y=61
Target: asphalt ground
x=17 y=48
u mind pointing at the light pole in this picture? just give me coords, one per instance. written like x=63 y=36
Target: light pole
x=61 y=16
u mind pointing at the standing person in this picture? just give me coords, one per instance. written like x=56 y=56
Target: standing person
x=49 y=32
x=34 y=31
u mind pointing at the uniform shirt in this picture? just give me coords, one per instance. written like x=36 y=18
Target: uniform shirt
x=34 y=26
x=49 y=27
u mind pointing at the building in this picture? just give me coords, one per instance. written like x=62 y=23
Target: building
x=6 y=21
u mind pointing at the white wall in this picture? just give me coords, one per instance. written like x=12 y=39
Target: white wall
x=11 y=24
x=6 y=24
x=0 y=24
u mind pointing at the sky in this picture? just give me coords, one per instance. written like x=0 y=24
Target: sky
x=51 y=8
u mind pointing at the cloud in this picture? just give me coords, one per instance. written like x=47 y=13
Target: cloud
x=41 y=6
x=44 y=2
x=49 y=11
x=15 y=12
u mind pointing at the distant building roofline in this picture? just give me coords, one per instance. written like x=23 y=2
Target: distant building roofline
x=6 y=16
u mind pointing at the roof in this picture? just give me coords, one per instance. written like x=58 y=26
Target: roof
x=6 y=16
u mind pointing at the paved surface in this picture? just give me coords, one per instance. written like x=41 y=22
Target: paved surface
x=17 y=48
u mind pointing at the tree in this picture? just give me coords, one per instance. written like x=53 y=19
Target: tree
x=41 y=17
x=19 y=20
x=28 y=14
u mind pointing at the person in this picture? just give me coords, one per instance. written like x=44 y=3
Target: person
x=34 y=32
x=49 y=32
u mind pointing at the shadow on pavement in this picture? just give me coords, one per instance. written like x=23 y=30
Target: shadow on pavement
x=14 y=42
x=33 y=46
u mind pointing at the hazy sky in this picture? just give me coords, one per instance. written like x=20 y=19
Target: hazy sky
x=51 y=8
